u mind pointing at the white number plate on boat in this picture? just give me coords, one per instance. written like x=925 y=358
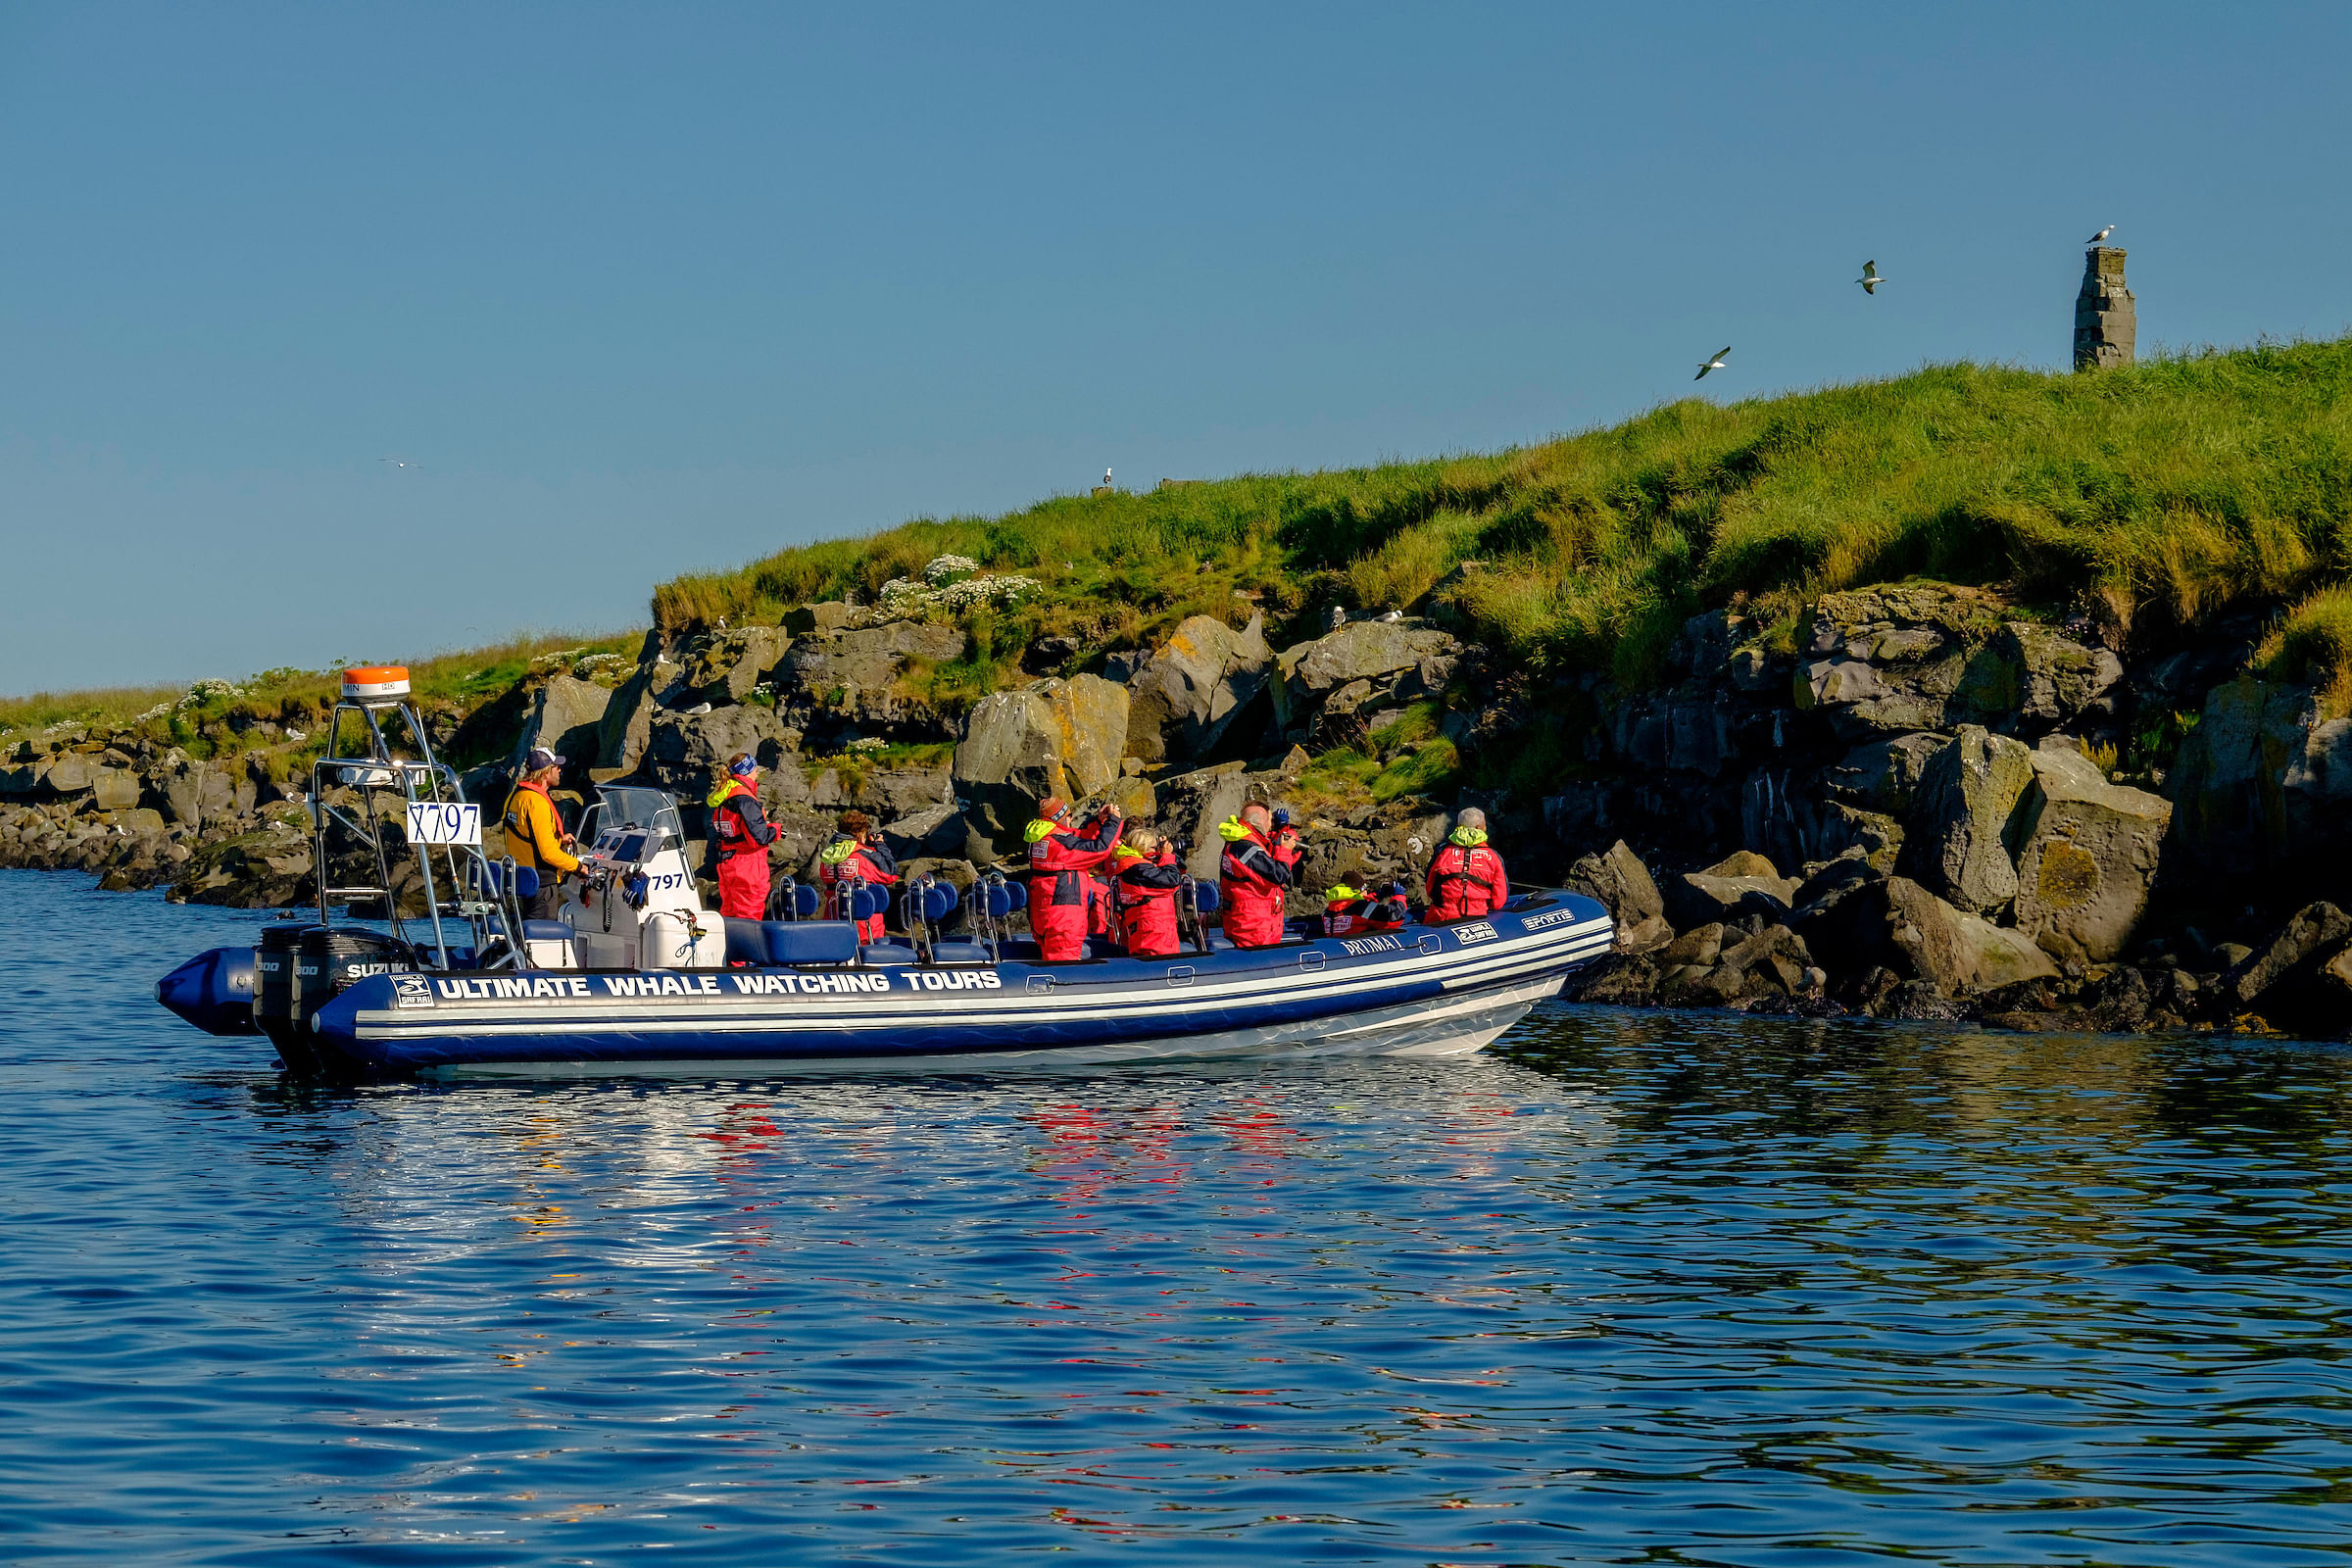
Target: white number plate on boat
x=444 y=822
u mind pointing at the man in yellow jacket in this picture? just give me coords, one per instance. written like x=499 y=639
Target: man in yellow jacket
x=535 y=835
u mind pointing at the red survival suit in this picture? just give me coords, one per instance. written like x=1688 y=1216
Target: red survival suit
x=1145 y=890
x=744 y=835
x=1349 y=913
x=1252 y=873
x=845 y=859
x=1062 y=897
x=1466 y=878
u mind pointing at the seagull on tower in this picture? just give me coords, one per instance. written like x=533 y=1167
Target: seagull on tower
x=2100 y=235
x=1870 y=278
x=1714 y=362
x=1106 y=477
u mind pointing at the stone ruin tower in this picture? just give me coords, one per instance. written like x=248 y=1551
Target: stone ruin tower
x=2105 y=323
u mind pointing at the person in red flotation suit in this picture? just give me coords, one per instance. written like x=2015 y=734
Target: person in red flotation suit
x=1144 y=880
x=744 y=834
x=1466 y=876
x=1349 y=913
x=1061 y=856
x=1254 y=873
x=855 y=853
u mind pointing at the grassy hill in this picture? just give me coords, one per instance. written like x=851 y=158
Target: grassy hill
x=211 y=715
x=2156 y=496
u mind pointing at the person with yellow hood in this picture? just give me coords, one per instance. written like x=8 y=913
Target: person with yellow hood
x=1466 y=878
x=1254 y=873
x=855 y=854
x=1351 y=912
x=1061 y=861
x=744 y=834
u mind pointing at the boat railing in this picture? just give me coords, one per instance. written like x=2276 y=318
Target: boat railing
x=439 y=828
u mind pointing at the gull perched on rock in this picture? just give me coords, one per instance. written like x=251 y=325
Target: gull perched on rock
x=2100 y=235
x=1714 y=362
x=1870 y=278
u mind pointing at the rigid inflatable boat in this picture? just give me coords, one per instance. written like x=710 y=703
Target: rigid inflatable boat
x=637 y=977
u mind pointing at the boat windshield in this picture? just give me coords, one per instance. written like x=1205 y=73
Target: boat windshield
x=634 y=807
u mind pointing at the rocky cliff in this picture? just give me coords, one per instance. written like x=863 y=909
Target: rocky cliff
x=1919 y=798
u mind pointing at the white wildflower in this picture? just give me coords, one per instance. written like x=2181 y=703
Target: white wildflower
x=940 y=568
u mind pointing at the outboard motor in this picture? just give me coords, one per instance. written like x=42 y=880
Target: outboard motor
x=326 y=962
x=273 y=993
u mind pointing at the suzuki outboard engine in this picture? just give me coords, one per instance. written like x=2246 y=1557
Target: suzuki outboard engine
x=325 y=962
x=273 y=994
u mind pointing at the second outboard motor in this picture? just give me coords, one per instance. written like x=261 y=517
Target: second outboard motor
x=273 y=994
x=325 y=962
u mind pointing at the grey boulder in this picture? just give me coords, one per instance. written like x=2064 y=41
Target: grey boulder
x=1963 y=819
x=1183 y=699
x=1051 y=737
x=2088 y=857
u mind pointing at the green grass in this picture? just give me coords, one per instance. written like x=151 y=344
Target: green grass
x=2312 y=643
x=300 y=698
x=2168 y=490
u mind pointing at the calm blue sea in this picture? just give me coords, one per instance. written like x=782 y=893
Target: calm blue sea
x=1645 y=1289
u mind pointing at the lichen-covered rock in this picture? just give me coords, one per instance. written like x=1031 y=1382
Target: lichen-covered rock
x=866 y=657
x=115 y=789
x=1052 y=737
x=1992 y=955
x=1183 y=699
x=195 y=794
x=69 y=774
x=936 y=830
x=1396 y=660
x=1741 y=884
x=685 y=753
x=1920 y=655
x=826 y=616
x=566 y=716
x=628 y=722
x=2087 y=856
x=2060 y=680
x=1963 y=826
x=2263 y=790
x=727 y=669
x=1698 y=948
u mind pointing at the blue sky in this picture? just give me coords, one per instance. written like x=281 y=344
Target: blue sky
x=641 y=289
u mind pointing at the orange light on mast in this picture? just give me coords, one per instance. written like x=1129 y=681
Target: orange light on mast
x=373 y=684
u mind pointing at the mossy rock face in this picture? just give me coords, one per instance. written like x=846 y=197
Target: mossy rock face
x=2069 y=877
x=2264 y=788
x=2089 y=855
x=1931 y=656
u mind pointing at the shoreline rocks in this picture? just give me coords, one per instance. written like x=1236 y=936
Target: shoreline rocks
x=1915 y=800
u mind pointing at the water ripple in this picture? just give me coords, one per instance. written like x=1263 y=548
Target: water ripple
x=1648 y=1288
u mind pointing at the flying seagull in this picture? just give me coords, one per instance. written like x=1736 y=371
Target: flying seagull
x=398 y=462
x=1870 y=278
x=2100 y=235
x=1715 y=362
